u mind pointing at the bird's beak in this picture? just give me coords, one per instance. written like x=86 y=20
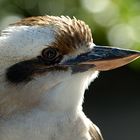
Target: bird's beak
x=105 y=58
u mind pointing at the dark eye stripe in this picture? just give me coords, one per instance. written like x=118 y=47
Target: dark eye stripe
x=24 y=71
x=20 y=72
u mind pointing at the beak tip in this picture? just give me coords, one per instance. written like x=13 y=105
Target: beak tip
x=136 y=54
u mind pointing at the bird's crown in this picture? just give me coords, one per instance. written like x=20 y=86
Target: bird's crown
x=27 y=38
x=70 y=33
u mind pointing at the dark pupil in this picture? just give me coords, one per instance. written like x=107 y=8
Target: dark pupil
x=49 y=54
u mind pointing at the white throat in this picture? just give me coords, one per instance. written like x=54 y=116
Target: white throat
x=68 y=95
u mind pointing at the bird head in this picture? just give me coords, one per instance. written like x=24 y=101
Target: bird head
x=39 y=53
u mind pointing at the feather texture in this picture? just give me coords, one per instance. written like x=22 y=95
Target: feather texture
x=49 y=105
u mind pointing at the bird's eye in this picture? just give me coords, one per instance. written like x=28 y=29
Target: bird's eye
x=50 y=56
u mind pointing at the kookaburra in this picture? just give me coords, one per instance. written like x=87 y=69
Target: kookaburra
x=46 y=63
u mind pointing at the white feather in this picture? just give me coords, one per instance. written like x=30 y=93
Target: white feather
x=59 y=115
x=19 y=43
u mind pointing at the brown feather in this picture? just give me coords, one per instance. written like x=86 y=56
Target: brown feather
x=94 y=133
x=70 y=33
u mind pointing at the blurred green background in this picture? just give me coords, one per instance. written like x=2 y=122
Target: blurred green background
x=113 y=100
